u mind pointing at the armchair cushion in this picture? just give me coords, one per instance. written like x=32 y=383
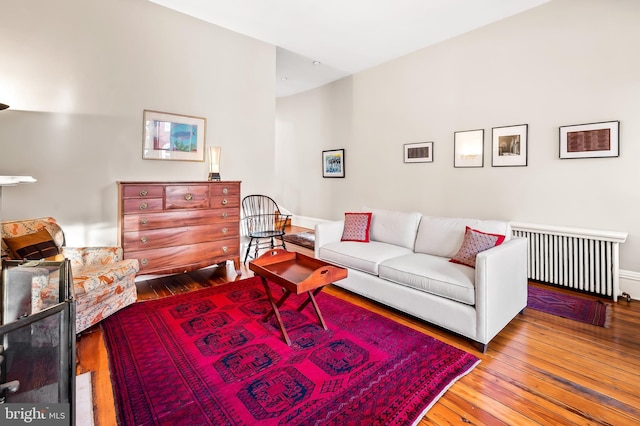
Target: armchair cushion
x=83 y=256
x=87 y=279
x=39 y=245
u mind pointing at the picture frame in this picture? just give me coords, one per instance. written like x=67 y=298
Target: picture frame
x=592 y=140
x=510 y=145
x=420 y=152
x=468 y=148
x=168 y=136
x=333 y=163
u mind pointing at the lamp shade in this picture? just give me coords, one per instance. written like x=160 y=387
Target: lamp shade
x=214 y=163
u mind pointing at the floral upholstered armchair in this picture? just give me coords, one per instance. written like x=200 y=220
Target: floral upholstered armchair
x=103 y=282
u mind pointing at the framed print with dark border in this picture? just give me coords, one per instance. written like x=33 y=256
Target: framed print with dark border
x=333 y=163
x=509 y=146
x=169 y=136
x=593 y=140
x=468 y=148
x=421 y=152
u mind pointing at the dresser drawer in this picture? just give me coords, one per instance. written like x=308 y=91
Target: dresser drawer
x=172 y=258
x=225 y=189
x=187 y=197
x=142 y=221
x=137 y=205
x=222 y=201
x=142 y=191
x=180 y=236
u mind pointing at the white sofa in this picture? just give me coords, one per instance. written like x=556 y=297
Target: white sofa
x=405 y=265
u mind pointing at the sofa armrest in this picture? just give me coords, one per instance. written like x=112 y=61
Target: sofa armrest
x=82 y=256
x=501 y=286
x=327 y=232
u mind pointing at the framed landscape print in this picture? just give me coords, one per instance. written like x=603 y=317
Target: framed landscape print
x=173 y=136
x=591 y=140
x=421 y=152
x=333 y=163
x=468 y=148
x=509 y=147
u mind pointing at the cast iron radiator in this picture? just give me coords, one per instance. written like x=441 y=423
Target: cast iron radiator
x=579 y=259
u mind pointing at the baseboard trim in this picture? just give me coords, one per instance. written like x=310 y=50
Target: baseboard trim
x=630 y=283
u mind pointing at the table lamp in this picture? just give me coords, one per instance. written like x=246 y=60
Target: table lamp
x=214 y=163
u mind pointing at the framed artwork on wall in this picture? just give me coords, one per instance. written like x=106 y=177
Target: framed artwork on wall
x=333 y=163
x=421 y=152
x=510 y=145
x=593 y=140
x=468 y=148
x=169 y=136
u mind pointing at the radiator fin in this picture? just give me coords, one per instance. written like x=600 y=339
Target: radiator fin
x=585 y=261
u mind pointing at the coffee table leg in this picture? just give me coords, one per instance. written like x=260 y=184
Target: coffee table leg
x=315 y=306
x=274 y=309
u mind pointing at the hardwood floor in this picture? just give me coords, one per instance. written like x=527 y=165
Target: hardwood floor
x=541 y=369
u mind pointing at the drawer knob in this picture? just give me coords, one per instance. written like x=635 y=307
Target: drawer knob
x=225 y=191
x=144 y=261
x=144 y=193
x=224 y=230
x=224 y=201
x=224 y=215
x=143 y=206
x=144 y=221
x=144 y=240
x=225 y=249
x=188 y=197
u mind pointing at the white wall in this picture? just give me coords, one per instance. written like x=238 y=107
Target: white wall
x=78 y=75
x=565 y=62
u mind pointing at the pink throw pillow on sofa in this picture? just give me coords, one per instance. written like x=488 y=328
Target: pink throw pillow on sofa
x=475 y=242
x=356 y=227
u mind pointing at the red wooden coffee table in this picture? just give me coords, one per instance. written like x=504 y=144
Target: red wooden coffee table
x=296 y=273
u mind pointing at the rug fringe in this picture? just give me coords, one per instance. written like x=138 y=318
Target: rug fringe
x=608 y=314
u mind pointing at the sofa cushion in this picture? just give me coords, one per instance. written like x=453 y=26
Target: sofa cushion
x=356 y=227
x=475 y=242
x=363 y=257
x=431 y=274
x=38 y=245
x=441 y=236
x=392 y=227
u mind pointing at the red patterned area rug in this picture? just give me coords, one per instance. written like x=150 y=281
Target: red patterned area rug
x=206 y=358
x=577 y=308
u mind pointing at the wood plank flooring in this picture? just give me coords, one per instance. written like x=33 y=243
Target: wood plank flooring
x=541 y=369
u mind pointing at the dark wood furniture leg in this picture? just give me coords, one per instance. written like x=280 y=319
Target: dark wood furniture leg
x=274 y=309
x=312 y=299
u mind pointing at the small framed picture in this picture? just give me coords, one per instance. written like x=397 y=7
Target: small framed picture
x=333 y=163
x=468 y=148
x=593 y=140
x=421 y=152
x=509 y=146
x=173 y=136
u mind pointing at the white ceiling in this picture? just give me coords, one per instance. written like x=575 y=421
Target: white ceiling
x=345 y=36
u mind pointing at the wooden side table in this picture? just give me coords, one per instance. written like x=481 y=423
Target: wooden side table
x=296 y=273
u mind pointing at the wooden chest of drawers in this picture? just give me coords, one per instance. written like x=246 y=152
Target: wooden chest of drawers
x=173 y=227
